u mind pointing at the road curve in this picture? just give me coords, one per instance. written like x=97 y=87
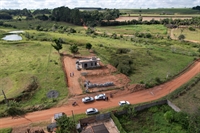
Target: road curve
x=134 y=98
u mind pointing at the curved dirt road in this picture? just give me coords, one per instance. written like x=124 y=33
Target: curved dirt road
x=137 y=97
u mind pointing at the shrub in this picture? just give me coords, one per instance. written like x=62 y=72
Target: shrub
x=123 y=63
x=122 y=51
x=191 y=29
x=6 y=130
x=158 y=80
x=181 y=37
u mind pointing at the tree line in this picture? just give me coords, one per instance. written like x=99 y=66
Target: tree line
x=89 y=18
x=64 y=14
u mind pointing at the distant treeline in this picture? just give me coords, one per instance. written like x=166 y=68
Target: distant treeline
x=63 y=14
x=196 y=8
x=93 y=18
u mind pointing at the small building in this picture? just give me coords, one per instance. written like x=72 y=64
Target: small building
x=101 y=123
x=88 y=63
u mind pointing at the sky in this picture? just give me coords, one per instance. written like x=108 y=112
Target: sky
x=118 y=4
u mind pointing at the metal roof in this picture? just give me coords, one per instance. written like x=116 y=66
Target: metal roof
x=100 y=129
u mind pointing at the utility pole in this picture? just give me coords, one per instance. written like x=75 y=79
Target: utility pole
x=73 y=117
x=5 y=98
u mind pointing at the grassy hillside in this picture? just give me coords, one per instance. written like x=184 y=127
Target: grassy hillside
x=20 y=61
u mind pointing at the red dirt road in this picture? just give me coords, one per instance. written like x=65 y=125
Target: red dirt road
x=137 y=97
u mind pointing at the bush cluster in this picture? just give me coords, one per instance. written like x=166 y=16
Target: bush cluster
x=122 y=62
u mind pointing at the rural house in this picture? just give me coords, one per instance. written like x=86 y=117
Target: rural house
x=88 y=63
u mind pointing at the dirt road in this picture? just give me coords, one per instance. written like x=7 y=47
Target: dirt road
x=133 y=98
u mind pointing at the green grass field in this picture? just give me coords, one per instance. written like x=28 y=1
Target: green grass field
x=189 y=35
x=22 y=60
x=132 y=29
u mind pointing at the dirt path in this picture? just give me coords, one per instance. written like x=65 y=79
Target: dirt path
x=137 y=97
x=70 y=69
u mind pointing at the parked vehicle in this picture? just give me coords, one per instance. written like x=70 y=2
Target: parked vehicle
x=100 y=97
x=87 y=99
x=58 y=115
x=121 y=103
x=91 y=111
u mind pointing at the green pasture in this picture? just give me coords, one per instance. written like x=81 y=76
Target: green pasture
x=25 y=59
x=32 y=24
x=132 y=29
x=189 y=35
x=190 y=101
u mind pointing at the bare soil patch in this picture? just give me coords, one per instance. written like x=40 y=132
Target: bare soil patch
x=106 y=73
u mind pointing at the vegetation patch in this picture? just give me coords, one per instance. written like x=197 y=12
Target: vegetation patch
x=188 y=99
x=6 y=130
x=28 y=75
x=155 y=119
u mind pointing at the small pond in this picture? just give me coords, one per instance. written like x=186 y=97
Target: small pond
x=13 y=36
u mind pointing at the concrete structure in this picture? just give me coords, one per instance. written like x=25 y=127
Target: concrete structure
x=101 y=123
x=88 y=63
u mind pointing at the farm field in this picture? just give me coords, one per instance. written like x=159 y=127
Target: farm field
x=148 y=18
x=170 y=11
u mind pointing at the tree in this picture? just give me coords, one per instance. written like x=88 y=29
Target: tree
x=65 y=125
x=74 y=49
x=181 y=37
x=88 y=46
x=57 y=44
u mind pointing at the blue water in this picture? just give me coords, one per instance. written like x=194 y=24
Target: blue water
x=12 y=37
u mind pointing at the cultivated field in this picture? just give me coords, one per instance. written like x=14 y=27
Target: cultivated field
x=148 y=18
